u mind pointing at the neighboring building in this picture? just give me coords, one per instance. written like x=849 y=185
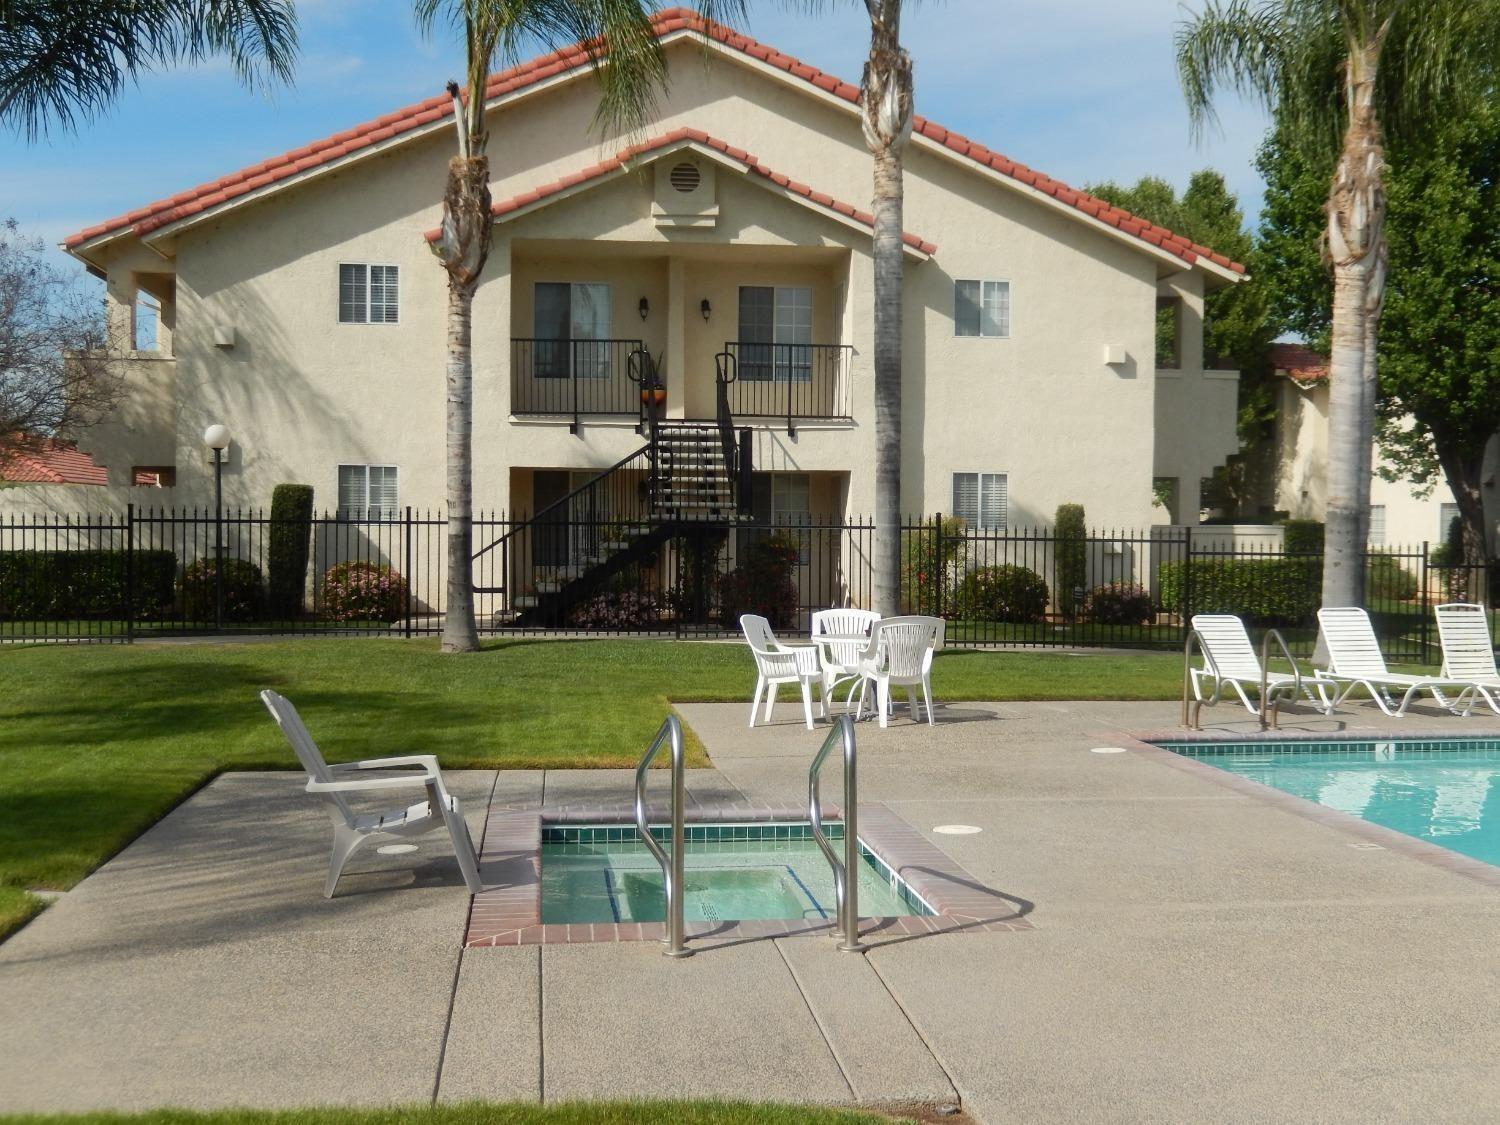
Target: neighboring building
x=1398 y=515
x=27 y=460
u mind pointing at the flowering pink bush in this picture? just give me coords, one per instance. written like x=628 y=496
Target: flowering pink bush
x=1119 y=603
x=363 y=591
x=617 y=609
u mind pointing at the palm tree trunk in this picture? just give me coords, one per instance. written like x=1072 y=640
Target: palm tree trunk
x=887 y=106
x=463 y=247
x=1356 y=219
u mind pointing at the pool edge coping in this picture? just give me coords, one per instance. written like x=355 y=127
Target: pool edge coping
x=508 y=910
x=1155 y=745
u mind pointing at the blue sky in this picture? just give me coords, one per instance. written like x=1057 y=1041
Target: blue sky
x=1084 y=90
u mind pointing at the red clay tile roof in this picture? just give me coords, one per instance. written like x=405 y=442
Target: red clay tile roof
x=621 y=160
x=48 y=461
x=188 y=203
x=1300 y=362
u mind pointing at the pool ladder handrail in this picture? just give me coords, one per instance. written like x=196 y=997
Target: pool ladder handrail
x=1269 y=701
x=671 y=865
x=845 y=872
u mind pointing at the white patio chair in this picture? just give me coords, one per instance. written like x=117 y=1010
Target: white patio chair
x=1355 y=659
x=777 y=664
x=1229 y=659
x=840 y=659
x=440 y=810
x=1468 y=651
x=900 y=653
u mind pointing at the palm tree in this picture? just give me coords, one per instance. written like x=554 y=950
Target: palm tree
x=495 y=32
x=63 y=61
x=1334 y=73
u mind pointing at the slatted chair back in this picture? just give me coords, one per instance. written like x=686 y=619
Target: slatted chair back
x=1228 y=644
x=1353 y=649
x=1468 y=652
x=758 y=633
x=846 y=622
x=304 y=747
x=904 y=645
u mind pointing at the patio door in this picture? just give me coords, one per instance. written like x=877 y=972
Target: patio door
x=775 y=333
x=571 y=324
x=570 y=533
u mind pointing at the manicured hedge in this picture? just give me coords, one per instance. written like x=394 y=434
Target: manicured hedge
x=244 y=591
x=1119 y=603
x=1302 y=537
x=1267 y=592
x=1001 y=593
x=74 y=585
x=289 y=547
x=1070 y=561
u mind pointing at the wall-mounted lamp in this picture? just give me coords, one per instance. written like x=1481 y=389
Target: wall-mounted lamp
x=645 y=308
x=705 y=308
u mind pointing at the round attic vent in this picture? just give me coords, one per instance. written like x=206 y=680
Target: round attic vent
x=685 y=177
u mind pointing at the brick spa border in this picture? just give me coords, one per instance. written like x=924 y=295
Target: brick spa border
x=1155 y=745
x=509 y=912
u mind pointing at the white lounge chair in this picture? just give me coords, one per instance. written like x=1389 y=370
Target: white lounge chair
x=900 y=654
x=1230 y=659
x=440 y=810
x=840 y=659
x=1468 y=651
x=777 y=664
x=1355 y=659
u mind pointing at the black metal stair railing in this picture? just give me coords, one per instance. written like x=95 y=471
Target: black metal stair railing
x=572 y=378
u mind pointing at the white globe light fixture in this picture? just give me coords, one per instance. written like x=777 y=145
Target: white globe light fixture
x=216 y=437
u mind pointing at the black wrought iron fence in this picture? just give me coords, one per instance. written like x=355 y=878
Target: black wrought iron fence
x=603 y=564
x=788 y=381
x=574 y=378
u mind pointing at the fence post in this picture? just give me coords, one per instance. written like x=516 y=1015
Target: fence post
x=130 y=573
x=410 y=578
x=1187 y=580
x=942 y=564
x=1424 y=634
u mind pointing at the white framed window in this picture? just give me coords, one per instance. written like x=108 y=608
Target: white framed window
x=367 y=492
x=1377 y=525
x=981 y=308
x=1446 y=515
x=571 y=322
x=791 y=506
x=775 y=333
x=982 y=500
x=369 y=294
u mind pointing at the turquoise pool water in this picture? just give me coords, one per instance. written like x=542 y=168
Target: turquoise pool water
x=1442 y=790
x=731 y=872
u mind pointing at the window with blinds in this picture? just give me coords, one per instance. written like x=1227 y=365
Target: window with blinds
x=981 y=308
x=981 y=500
x=367 y=492
x=369 y=294
x=1446 y=515
x=1377 y=525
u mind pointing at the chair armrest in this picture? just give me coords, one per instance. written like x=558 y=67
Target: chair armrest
x=406 y=761
x=368 y=784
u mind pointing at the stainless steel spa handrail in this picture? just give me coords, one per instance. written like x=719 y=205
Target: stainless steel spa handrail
x=845 y=872
x=671 y=865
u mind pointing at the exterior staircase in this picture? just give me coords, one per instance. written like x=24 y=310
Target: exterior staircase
x=693 y=478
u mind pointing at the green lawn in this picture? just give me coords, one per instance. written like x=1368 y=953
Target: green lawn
x=583 y=1113
x=98 y=742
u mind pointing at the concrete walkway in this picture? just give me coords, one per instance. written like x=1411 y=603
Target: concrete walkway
x=1198 y=955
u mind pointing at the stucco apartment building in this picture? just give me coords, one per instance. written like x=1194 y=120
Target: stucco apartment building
x=301 y=307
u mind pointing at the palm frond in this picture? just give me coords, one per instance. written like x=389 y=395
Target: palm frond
x=1231 y=44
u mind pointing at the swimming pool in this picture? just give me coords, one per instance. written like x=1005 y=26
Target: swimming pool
x=739 y=872
x=1444 y=791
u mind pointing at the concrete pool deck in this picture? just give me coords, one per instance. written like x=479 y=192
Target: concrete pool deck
x=1196 y=952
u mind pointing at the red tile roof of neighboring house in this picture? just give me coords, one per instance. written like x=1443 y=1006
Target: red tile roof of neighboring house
x=1300 y=362
x=48 y=461
x=205 y=196
x=621 y=161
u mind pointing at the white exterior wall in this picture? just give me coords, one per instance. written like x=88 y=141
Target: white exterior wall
x=303 y=393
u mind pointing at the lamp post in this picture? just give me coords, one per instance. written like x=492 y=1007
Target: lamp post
x=216 y=437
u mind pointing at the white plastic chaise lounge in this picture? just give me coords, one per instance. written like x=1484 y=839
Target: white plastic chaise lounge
x=840 y=659
x=439 y=811
x=777 y=664
x=900 y=654
x=1229 y=659
x=1468 y=651
x=1355 y=660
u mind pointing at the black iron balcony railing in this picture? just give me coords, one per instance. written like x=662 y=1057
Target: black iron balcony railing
x=573 y=377
x=791 y=381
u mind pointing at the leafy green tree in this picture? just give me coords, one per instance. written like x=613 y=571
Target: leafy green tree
x=66 y=60
x=1338 y=74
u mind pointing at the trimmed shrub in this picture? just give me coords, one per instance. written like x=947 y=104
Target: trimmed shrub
x=289 y=548
x=932 y=558
x=363 y=591
x=1119 y=603
x=1385 y=577
x=244 y=591
x=1302 y=537
x=1070 y=559
x=762 y=584
x=1002 y=593
x=617 y=609
x=1268 y=592
x=74 y=585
